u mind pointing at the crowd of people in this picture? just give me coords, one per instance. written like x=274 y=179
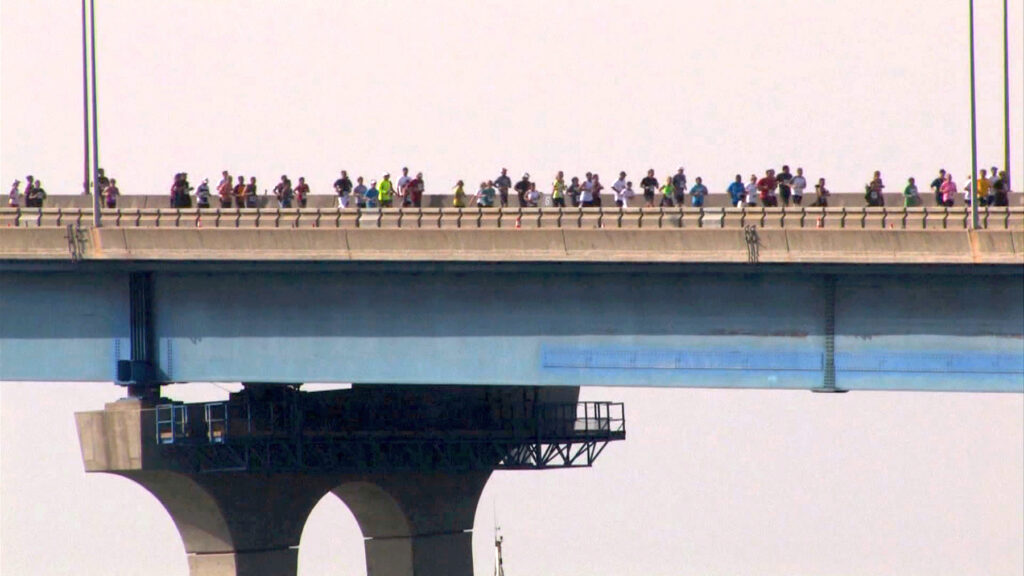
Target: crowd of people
x=773 y=189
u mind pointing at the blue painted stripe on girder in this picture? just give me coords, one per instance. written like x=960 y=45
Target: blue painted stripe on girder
x=931 y=363
x=697 y=360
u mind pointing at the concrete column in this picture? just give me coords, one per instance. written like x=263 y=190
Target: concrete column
x=237 y=524
x=416 y=524
x=232 y=524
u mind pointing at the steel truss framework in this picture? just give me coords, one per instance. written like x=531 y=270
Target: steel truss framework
x=383 y=455
x=558 y=436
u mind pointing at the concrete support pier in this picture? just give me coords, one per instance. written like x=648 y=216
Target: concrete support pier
x=239 y=478
x=416 y=524
x=237 y=524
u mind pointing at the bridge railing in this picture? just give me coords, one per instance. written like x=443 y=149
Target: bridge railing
x=1000 y=218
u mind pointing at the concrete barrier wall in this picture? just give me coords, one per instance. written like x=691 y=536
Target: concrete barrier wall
x=839 y=199
x=518 y=245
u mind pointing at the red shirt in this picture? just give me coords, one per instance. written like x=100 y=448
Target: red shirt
x=766 y=186
x=301 y=190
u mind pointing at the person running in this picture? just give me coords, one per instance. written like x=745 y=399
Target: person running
x=359 y=193
x=751 y=189
x=12 y=196
x=575 y=191
x=414 y=191
x=698 y=193
x=598 y=188
x=485 y=196
x=766 y=189
x=679 y=184
x=522 y=187
x=587 y=191
x=821 y=193
x=667 y=192
x=936 y=186
x=736 y=191
x=618 y=188
x=911 y=197
x=984 y=189
x=403 y=188
x=532 y=197
x=301 y=192
x=504 y=183
x=873 y=191
x=1001 y=190
x=110 y=194
x=372 y=195
x=558 y=190
x=239 y=192
x=785 y=180
x=35 y=195
x=284 y=192
x=948 y=190
x=799 y=184
x=649 y=185
x=343 y=188
x=459 y=195
x=251 y=196
x=619 y=193
x=202 y=194
x=386 y=192
x=225 y=190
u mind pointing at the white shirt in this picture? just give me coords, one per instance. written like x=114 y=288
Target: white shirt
x=621 y=193
x=402 y=183
x=618 y=187
x=588 y=191
x=751 y=193
x=798 y=184
x=533 y=195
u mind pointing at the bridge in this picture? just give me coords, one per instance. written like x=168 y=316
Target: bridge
x=466 y=335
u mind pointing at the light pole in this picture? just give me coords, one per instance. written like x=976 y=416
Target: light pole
x=85 y=103
x=1006 y=94
x=974 y=134
x=96 y=220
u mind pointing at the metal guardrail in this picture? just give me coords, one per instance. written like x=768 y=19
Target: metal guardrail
x=999 y=218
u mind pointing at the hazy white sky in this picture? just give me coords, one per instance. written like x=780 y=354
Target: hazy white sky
x=460 y=88
x=709 y=482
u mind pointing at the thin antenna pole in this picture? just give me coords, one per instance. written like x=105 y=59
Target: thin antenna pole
x=974 y=134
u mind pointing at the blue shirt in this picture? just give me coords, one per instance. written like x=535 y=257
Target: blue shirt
x=699 y=190
x=736 y=191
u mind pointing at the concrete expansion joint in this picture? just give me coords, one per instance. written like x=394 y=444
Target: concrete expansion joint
x=423 y=535
x=244 y=551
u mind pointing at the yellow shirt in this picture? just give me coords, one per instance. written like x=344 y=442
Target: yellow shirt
x=983 y=187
